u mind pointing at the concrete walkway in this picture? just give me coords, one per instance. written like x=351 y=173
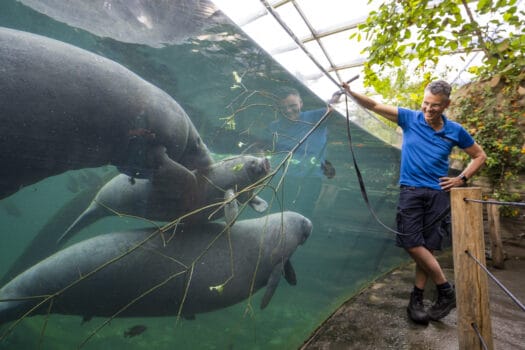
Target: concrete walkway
x=376 y=318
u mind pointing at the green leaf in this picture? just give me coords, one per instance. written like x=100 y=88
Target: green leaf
x=484 y=5
x=503 y=46
x=238 y=167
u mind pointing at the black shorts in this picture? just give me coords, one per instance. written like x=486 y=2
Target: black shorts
x=420 y=213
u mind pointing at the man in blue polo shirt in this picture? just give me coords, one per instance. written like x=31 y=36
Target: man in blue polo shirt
x=308 y=164
x=294 y=124
x=428 y=139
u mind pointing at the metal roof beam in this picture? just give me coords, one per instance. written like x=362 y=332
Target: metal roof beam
x=314 y=34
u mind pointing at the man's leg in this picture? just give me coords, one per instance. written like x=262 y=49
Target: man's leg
x=409 y=223
x=426 y=266
x=429 y=265
x=421 y=277
x=446 y=295
x=416 y=309
x=439 y=204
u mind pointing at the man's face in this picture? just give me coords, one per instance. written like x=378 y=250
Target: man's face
x=291 y=106
x=433 y=106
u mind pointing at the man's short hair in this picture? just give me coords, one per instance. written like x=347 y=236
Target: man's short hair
x=439 y=87
x=286 y=91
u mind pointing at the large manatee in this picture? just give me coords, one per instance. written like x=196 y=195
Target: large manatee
x=141 y=198
x=64 y=108
x=117 y=275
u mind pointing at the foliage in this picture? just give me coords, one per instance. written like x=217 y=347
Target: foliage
x=423 y=31
x=400 y=90
x=491 y=111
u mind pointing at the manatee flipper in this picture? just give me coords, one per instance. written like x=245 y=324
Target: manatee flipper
x=289 y=273
x=231 y=207
x=169 y=173
x=93 y=213
x=258 y=204
x=271 y=286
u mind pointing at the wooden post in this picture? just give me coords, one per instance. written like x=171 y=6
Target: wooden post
x=496 y=247
x=471 y=281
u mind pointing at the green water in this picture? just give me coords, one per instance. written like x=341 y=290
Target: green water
x=346 y=250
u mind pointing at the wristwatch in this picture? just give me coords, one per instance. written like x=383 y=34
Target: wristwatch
x=463 y=178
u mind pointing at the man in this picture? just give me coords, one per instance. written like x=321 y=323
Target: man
x=308 y=163
x=428 y=139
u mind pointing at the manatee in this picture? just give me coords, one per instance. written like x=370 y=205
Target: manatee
x=222 y=181
x=140 y=273
x=65 y=108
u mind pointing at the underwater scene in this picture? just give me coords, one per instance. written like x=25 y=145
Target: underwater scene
x=166 y=184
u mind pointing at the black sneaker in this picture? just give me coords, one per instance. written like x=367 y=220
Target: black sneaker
x=416 y=310
x=446 y=301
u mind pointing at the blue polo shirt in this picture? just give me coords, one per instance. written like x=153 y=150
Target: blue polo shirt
x=308 y=157
x=425 y=152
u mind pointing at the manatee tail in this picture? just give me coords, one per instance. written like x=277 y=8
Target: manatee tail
x=93 y=213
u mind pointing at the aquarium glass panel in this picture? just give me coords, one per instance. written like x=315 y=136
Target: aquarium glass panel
x=151 y=158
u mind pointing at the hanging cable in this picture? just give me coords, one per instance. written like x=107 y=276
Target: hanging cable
x=512 y=204
x=514 y=299
x=360 y=177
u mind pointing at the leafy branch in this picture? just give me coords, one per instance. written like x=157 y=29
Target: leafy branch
x=423 y=31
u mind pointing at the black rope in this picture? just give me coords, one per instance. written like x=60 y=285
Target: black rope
x=516 y=204
x=497 y=281
x=360 y=177
x=480 y=337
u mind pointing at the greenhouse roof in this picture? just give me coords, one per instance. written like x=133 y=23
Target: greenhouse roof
x=312 y=40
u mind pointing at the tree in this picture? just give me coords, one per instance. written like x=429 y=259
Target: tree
x=423 y=31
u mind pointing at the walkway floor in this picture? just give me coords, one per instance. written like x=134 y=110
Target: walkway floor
x=376 y=318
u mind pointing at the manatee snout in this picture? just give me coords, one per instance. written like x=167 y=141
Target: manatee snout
x=298 y=226
x=306 y=229
x=259 y=167
x=266 y=165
